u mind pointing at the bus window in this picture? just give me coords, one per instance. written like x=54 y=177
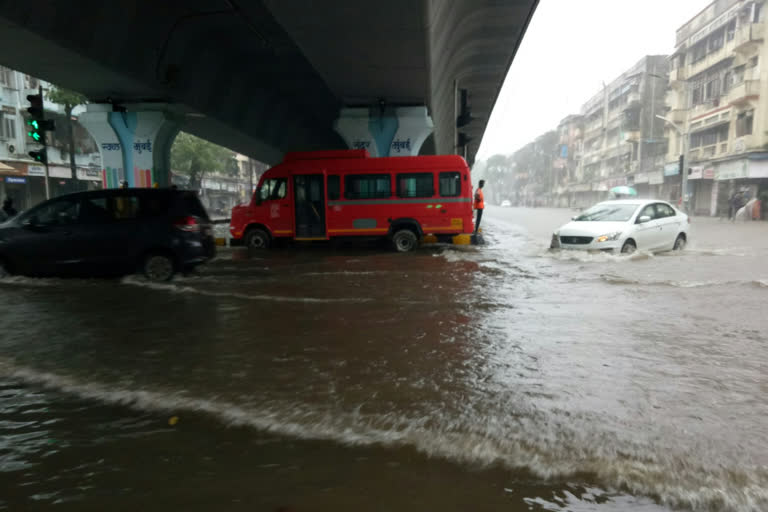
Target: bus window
x=273 y=188
x=367 y=186
x=415 y=185
x=334 y=187
x=450 y=184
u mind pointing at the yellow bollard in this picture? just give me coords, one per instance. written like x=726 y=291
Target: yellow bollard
x=430 y=239
x=463 y=239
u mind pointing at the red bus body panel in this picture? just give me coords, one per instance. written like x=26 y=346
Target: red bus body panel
x=348 y=216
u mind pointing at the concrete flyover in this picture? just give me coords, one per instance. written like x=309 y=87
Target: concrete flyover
x=268 y=76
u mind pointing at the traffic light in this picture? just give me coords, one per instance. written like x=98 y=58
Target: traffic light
x=39 y=156
x=37 y=123
x=465 y=115
x=463 y=139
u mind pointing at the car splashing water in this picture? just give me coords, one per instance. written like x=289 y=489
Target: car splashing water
x=502 y=377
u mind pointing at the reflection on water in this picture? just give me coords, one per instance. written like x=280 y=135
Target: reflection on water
x=501 y=377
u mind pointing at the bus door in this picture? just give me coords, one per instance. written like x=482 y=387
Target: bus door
x=309 y=201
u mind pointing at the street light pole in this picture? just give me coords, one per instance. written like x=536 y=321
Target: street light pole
x=686 y=142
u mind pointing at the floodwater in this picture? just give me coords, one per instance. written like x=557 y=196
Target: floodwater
x=500 y=377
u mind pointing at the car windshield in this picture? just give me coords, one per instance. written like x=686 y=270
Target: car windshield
x=608 y=213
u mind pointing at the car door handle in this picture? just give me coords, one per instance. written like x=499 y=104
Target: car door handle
x=286 y=205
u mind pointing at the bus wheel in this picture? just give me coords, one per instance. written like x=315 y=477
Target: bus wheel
x=404 y=240
x=257 y=238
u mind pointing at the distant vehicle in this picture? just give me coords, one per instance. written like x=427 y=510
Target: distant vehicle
x=327 y=194
x=625 y=226
x=155 y=231
x=505 y=204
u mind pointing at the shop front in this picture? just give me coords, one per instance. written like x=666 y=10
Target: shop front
x=701 y=186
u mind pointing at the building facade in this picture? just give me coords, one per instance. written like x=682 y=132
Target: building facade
x=21 y=178
x=623 y=141
x=718 y=108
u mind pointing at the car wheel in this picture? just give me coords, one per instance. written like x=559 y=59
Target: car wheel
x=404 y=240
x=257 y=239
x=629 y=247
x=159 y=267
x=680 y=242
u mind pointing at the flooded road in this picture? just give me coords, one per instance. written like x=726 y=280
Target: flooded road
x=502 y=377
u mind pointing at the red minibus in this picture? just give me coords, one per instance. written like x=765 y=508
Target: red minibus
x=320 y=195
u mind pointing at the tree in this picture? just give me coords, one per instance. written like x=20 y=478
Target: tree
x=196 y=157
x=70 y=99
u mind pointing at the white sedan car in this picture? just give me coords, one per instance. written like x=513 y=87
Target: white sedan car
x=625 y=226
x=505 y=203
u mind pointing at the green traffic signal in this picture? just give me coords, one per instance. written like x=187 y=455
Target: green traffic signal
x=34 y=124
x=35 y=136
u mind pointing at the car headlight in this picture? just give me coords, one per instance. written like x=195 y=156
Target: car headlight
x=610 y=237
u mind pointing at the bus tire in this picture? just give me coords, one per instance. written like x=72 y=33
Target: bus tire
x=404 y=240
x=256 y=238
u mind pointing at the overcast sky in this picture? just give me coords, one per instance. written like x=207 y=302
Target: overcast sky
x=570 y=48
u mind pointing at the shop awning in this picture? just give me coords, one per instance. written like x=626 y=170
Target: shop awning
x=4 y=167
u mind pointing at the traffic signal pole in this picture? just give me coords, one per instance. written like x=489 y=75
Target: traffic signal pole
x=38 y=127
x=45 y=144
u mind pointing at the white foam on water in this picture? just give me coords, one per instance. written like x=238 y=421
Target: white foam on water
x=620 y=280
x=176 y=288
x=595 y=257
x=547 y=445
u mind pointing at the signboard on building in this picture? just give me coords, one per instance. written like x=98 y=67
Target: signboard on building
x=672 y=169
x=56 y=171
x=641 y=177
x=695 y=173
x=655 y=178
x=731 y=170
x=15 y=179
x=35 y=170
x=757 y=169
x=88 y=174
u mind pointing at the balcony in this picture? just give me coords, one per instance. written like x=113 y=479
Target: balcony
x=740 y=94
x=677 y=115
x=748 y=37
x=677 y=77
x=713 y=58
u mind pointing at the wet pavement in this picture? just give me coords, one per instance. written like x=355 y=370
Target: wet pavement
x=501 y=377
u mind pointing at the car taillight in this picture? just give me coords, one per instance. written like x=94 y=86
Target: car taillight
x=187 y=224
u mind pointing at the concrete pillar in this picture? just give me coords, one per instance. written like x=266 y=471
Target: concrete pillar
x=395 y=131
x=135 y=145
x=95 y=119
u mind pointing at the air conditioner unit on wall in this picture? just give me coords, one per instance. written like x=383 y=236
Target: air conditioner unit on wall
x=11 y=148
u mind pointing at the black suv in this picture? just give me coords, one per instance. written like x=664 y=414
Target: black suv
x=109 y=232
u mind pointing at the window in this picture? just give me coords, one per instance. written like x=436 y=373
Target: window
x=6 y=76
x=416 y=185
x=7 y=126
x=126 y=207
x=738 y=74
x=664 y=210
x=95 y=210
x=744 y=123
x=334 y=188
x=273 y=188
x=450 y=184
x=730 y=31
x=190 y=205
x=57 y=213
x=648 y=211
x=727 y=80
x=367 y=186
